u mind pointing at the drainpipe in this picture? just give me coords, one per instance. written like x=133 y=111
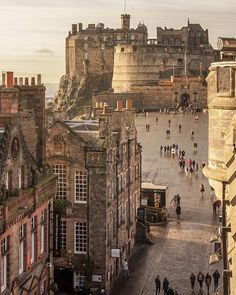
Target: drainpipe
x=224 y=242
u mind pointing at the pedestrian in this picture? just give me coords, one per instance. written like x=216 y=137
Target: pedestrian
x=193 y=164
x=214 y=208
x=161 y=148
x=208 y=282
x=165 y=149
x=126 y=269
x=169 y=121
x=200 y=279
x=165 y=286
x=196 y=167
x=178 y=198
x=202 y=189
x=156 y=119
x=170 y=291
x=178 y=211
x=192 y=133
x=216 y=277
x=234 y=148
x=180 y=127
x=158 y=285
x=192 y=280
x=103 y=292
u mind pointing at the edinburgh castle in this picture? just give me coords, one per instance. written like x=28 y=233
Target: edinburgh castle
x=154 y=73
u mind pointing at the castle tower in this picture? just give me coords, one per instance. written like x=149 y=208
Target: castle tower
x=125 y=21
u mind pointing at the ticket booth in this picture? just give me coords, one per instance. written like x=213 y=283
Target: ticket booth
x=153 y=203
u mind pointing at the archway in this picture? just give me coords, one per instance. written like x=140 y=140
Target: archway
x=184 y=100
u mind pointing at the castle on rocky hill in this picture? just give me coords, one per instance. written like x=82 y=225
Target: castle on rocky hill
x=100 y=58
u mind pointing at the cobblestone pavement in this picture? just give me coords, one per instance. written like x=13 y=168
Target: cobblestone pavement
x=180 y=247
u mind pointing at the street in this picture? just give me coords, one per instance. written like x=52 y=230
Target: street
x=182 y=246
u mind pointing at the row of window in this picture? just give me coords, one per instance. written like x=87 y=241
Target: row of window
x=80 y=183
x=22 y=248
x=80 y=237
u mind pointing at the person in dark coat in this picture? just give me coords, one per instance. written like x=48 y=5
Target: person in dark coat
x=200 y=279
x=192 y=280
x=158 y=285
x=165 y=286
x=178 y=211
x=170 y=291
x=208 y=282
x=216 y=277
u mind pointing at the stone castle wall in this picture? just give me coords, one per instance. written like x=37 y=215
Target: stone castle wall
x=142 y=65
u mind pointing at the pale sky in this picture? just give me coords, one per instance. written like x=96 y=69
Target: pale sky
x=33 y=32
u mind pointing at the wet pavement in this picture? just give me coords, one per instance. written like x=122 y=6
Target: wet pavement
x=182 y=246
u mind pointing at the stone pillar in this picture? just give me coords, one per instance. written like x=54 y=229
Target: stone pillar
x=222 y=107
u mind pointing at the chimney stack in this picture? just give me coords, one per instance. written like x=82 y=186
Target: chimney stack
x=119 y=105
x=10 y=79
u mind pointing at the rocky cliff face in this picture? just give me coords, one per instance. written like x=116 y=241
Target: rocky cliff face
x=76 y=92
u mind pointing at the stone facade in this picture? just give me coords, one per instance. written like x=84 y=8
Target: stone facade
x=27 y=188
x=168 y=93
x=221 y=166
x=99 y=162
x=91 y=50
x=148 y=64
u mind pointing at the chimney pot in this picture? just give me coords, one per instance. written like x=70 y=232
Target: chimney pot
x=3 y=79
x=32 y=81
x=39 y=79
x=119 y=105
x=15 y=81
x=128 y=104
x=10 y=79
x=21 y=81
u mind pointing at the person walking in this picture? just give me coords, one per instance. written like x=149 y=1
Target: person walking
x=208 y=282
x=165 y=286
x=170 y=291
x=169 y=121
x=192 y=280
x=158 y=285
x=216 y=277
x=103 y=292
x=126 y=269
x=178 y=211
x=180 y=127
x=200 y=279
x=214 y=208
x=202 y=189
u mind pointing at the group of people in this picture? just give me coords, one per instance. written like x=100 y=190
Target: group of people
x=200 y=278
x=167 y=289
x=172 y=149
x=189 y=166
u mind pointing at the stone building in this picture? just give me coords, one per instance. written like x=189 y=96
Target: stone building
x=221 y=168
x=99 y=58
x=98 y=163
x=166 y=93
x=27 y=188
x=91 y=50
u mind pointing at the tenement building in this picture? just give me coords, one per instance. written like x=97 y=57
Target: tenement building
x=98 y=164
x=123 y=59
x=27 y=188
x=221 y=168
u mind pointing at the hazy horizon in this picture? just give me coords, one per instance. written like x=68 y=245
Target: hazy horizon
x=33 y=33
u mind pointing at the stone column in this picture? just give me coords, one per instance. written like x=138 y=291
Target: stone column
x=222 y=107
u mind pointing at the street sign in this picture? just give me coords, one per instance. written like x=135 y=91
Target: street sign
x=115 y=252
